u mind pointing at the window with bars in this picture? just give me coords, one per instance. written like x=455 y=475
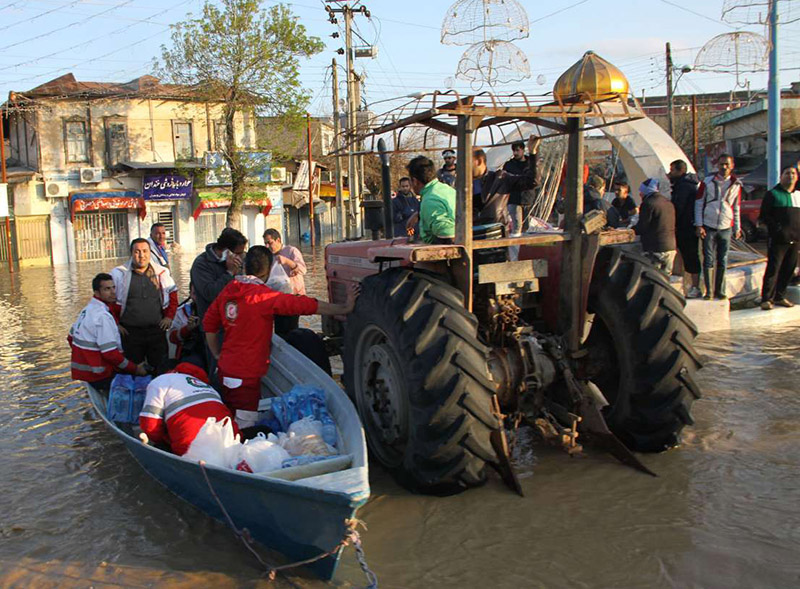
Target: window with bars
x=166 y=218
x=184 y=145
x=100 y=236
x=76 y=140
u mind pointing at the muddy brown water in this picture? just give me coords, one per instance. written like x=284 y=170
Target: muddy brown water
x=77 y=511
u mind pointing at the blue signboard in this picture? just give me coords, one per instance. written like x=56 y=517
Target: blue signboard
x=166 y=187
x=258 y=164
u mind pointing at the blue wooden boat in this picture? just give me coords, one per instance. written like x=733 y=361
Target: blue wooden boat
x=299 y=511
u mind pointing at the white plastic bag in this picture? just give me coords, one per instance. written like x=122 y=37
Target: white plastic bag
x=309 y=445
x=279 y=279
x=261 y=455
x=308 y=426
x=215 y=444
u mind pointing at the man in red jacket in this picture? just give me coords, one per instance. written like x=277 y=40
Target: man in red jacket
x=177 y=406
x=94 y=338
x=245 y=309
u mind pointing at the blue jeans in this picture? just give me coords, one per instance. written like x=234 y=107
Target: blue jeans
x=716 y=245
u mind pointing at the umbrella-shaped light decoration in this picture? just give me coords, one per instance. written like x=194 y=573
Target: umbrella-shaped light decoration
x=733 y=53
x=472 y=21
x=493 y=62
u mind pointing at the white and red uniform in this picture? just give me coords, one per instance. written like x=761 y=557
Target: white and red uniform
x=180 y=330
x=177 y=406
x=245 y=309
x=96 y=345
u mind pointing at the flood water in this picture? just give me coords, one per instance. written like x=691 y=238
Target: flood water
x=77 y=511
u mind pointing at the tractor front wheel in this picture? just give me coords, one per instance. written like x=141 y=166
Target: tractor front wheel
x=418 y=375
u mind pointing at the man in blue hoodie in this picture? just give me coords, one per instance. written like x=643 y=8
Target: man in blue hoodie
x=684 y=193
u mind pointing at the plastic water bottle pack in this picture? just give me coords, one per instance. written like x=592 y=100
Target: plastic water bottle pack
x=302 y=401
x=126 y=397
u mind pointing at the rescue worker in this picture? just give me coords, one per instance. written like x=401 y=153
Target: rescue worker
x=177 y=405
x=245 y=310
x=780 y=212
x=447 y=173
x=184 y=333
x=158 y=244
x=94 y=338
x=148 y=300
x=491 y=189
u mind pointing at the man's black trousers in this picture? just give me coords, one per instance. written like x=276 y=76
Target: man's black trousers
x=781 y=262
x=148 y=343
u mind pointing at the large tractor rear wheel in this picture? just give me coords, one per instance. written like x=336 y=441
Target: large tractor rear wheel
x=418 y=375
x=641 y=353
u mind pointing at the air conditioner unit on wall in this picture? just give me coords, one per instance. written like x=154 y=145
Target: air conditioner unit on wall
x=278 y=175
x=56 y=189
x=91 y=175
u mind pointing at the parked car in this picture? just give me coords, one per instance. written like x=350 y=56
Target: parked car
x=752 y=195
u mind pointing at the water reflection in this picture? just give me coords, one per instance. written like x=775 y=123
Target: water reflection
x=78 y=510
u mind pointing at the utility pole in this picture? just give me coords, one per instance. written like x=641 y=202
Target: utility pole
x=354 y=225
x=339 y=198
x=773 y=101
x=310 y=182
x=670 y=105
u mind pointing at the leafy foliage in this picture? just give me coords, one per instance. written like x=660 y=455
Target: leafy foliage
x=247 y=56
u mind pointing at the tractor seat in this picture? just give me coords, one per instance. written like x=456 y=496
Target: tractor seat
x=488 y=231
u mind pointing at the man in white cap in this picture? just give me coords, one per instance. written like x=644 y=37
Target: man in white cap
x=447 y=173
x=656 y=226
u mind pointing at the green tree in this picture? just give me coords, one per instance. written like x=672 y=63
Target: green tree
x=248 y=57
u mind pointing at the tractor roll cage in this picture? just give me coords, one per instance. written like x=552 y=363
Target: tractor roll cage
x=463 y=118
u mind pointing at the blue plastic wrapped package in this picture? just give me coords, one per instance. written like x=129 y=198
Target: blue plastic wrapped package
x=139 y=393
x=126 y=397
x=303 y=460
x=302 y=401
x=119 y=398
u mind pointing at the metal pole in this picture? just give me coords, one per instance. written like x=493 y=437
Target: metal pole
x=310 y=183
x=695 y=139
x=773 y=101
x=4 y=179
x=670 y=105
x=465 y=134
x=354 y=229
x=339 y=197
x=571 y=296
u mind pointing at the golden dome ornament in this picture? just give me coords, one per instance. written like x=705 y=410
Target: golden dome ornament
x=591 y=78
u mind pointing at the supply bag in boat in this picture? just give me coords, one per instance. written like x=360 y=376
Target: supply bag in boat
x=215 y=444
x=300 y=402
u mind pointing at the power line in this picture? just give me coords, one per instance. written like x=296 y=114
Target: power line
x=40 y=15
x=70 y=25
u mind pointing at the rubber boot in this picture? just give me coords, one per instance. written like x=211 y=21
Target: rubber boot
x=719 y=283
x=707 y=282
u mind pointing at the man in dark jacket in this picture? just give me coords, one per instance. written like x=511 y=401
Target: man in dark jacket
x=216 y=267
x=447 y=173
x=593 y=195
x=684 y=194
x=780 y=211
x=656 y=226
x=519 y=201
x=492 y=188
x=404 y=204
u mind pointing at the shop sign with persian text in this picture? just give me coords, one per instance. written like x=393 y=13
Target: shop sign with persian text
x=166 y=187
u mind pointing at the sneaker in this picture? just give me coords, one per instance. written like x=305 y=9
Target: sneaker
x=766 y=305
x=721 y=297
x=784 y=303
x=694 y=293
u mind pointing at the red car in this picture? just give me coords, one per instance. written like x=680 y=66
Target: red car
x=750 y=209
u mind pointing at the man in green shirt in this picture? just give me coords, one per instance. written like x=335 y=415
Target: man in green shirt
x=437 y=212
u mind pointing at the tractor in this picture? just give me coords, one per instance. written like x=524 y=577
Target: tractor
x=570 y=330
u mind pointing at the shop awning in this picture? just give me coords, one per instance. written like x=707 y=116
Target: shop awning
x=81 y=202
x=222 y=200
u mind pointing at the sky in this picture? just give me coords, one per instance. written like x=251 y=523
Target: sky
x=116 y=40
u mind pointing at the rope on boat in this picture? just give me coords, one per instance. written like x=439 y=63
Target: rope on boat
x=351 y=536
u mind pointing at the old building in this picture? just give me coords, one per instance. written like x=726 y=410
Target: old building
x=93 y=164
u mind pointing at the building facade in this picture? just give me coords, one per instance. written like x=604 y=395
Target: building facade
x=92 y=165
